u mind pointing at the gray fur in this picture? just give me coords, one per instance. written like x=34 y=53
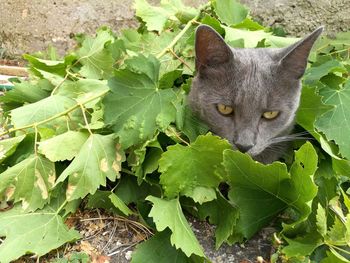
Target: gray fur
x=251 y=81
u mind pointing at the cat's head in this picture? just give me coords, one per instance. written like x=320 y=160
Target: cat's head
x=248 y=96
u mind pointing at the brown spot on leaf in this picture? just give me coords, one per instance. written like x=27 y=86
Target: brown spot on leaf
x=9 y=192
x=104 y=165
x=116 y=166
x=52 y=178
x=70 y=190
x=118 y=157
x=25 y=204
x=40 y=183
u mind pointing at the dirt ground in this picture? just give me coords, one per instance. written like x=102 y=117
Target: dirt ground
x=28 y=26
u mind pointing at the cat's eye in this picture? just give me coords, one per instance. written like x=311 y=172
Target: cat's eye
x=269 y=115
x=224 y=109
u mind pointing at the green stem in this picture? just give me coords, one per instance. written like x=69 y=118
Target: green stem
x=338 y=248
x=61 y=207
x=182 y=32
x=55 y=116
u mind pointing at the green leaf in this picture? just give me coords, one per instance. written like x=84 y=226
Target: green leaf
x=136 y=108
x=249 y=24
x=223 y=214
x=334 y=258
x=156 y=17
x=335 y=123
x=8 y=146
x=53 y=66
x=98 y=159
x=188 y=123
x=262 y=191
x=230 y=11
x=100 y=199
x=96 y=58
x=37 y=232
x=130 y=191
x=302 y=246
x=311 y=107
x=143 y=159
x=29 y=181
x=315 y=73
x=41 y=110
x=168 y=214
x=252 y=38
x=184 y=168
x=158 y=249
x=321 y=220
x=118 y=203
x=26 y=91
x=64 y=146
x=84 y=89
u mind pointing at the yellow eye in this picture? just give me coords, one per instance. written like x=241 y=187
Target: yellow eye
x=269 y=115
x=225 y=110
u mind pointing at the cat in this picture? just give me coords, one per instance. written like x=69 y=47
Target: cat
x=249 y=96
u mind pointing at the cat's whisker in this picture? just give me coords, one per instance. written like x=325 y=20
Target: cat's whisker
x=291 y=137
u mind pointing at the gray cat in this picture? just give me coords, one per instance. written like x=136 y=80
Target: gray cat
x=249 y=96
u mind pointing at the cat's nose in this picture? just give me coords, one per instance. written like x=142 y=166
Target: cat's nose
x=244 y=148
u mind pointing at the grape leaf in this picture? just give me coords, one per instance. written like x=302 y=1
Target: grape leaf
x=223 y=214
x=158 y=249
x=26 y=91
x=168 y=214
x=156 y=17
x=99 y=158
x=8 y=146
x=83 y=90
x=64 y=146
x=41 y=110
x=96 y=58
x=252 y=38
x=262 y=191
x=118 y=203
x=321 y=220
x=334 y=258
x=37 y=232
x=302 y=246
x=315 y=73
x=29 y=181
x=184 y=168
x=143 y=159
x=135 y=107
x=335 y=123
x=230 y=11
x=311 y=107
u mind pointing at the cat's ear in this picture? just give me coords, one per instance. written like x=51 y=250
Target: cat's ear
x=210 y=47
x=294 y=58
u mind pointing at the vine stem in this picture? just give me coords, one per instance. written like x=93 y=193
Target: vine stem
x=85 y=119
x=55 y=116
x=183 y=31
x=61 y=207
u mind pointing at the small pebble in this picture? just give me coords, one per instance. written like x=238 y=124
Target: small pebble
x=128 y=255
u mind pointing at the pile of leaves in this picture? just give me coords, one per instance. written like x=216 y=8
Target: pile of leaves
x=109 y=123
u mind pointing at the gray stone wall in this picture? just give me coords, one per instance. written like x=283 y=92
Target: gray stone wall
x=31 y=25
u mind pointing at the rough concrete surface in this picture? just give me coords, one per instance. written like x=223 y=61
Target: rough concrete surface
x=302 y=16
x=27 y=26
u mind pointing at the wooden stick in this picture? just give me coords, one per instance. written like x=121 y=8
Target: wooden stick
x=13 y=71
